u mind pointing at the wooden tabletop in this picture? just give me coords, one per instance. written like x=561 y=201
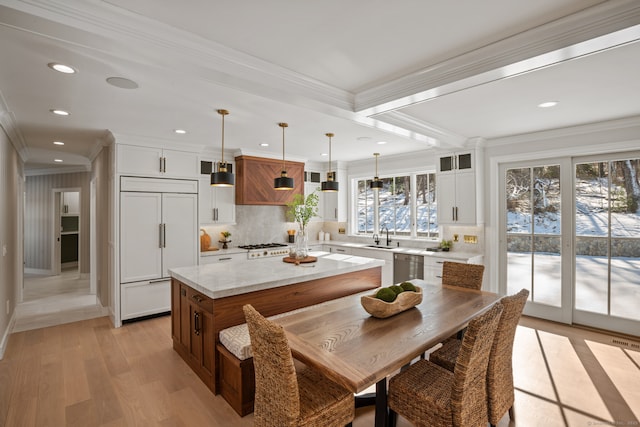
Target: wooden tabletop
x=354 y=349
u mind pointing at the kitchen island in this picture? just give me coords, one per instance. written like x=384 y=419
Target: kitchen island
x=208 y=298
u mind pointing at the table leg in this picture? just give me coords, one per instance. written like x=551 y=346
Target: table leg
x=382 y=415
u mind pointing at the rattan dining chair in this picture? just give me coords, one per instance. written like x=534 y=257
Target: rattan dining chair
x=462 y=274
x=428 y=395
x=284 y=396
x=500 y=371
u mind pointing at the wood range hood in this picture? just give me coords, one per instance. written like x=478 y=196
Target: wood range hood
x=254 y=180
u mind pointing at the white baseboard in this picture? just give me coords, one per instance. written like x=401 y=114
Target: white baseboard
x=38 y=271
x=5 y=336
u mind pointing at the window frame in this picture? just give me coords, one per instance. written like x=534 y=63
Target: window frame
x=413 y=232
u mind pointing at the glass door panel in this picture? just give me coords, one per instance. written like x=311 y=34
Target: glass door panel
x=607 y=276
x=533 y=233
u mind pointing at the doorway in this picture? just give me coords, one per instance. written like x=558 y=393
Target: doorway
x=570 y=233
x=66 y=231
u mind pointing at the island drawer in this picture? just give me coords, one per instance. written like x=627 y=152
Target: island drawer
x=201 y=300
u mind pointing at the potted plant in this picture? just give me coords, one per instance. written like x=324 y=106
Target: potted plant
x=224 y=239
x=301 y=209
x=445 y=245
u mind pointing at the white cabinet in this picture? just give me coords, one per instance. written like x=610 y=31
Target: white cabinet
x=154 y=162
x=217 y=205
x=433 y=266
x=386 y=255
x=335 y=203
x=70 y=203
x=226 y=257
x=310 y=187
x=158 y=231
x=456 y=189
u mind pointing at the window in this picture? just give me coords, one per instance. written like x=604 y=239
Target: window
x=406 y=205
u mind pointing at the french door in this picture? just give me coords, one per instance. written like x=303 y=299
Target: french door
x=607 y=243
x=570 y=234
x=536 y=236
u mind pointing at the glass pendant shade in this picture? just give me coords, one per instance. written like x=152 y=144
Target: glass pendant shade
x=330 y=185
x=283 y=182
x=376 y=184
x=222 y=178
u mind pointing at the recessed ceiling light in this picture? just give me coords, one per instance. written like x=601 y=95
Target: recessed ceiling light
x=62 y=68
x=264 y=144
x=381 y=142
x=60 y=112
x=122 y=83
x=180 y=131
x=323 y=154
x=548 y=104
x=57 y=160
x=58 y=143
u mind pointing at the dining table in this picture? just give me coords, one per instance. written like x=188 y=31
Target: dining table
x=348 y=345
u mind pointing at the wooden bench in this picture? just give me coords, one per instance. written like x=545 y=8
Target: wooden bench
x=237 y=381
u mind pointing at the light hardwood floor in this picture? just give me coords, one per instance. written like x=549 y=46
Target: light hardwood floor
x=88 y=373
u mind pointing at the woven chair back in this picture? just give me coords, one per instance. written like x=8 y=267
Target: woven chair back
x=500 y=370
x=277 y=400
x=469 y=394
x=462 y=274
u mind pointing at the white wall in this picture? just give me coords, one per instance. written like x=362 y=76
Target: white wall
x=11 y=183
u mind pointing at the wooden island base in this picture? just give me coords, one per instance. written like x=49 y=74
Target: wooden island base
x=197 y=319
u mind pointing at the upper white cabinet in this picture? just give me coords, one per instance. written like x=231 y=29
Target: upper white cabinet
x=217 y=205
x=456 y=188
x=154 y=162
x=70 y=203
x=311 y=184
x=335 y=203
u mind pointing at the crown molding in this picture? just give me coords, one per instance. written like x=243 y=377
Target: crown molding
x=208 y=60
x=436 y=136
x=611 y=128
x=538 y=47
x=10 y=127
x=146 y=141
x=57 y=170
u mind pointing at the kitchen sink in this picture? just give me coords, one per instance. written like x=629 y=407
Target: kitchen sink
x=380 y=246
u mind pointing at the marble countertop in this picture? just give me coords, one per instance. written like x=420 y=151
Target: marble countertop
x=223 y=280
x=463 y=256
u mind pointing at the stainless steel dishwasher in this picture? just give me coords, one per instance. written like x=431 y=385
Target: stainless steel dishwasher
x=407 y=267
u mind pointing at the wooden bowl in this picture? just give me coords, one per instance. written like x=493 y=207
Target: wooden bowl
x=382 y=309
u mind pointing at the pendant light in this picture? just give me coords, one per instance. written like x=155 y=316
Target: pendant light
x=283 y=182
x=330 y=185
x=222 y=178
x=376 y=184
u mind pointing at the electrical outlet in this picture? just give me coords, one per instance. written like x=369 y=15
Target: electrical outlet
x=341 y=230
x=470 y=239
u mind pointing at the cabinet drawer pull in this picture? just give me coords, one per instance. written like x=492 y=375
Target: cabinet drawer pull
x=224 y=259
x=159 y=280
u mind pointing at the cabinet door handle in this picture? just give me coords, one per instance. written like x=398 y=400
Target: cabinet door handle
x=453 y=213
x=196 y=323
x=160 y=236
x=164 y=164
x=213 y=214
x=160 y=166
x=456 y=213
x=215 y=210
x=164 y=235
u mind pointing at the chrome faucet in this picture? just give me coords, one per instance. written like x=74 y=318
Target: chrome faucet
x=376 y=239
x=384 y=227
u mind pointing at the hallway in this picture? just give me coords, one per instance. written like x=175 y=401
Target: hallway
x=55 y=300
